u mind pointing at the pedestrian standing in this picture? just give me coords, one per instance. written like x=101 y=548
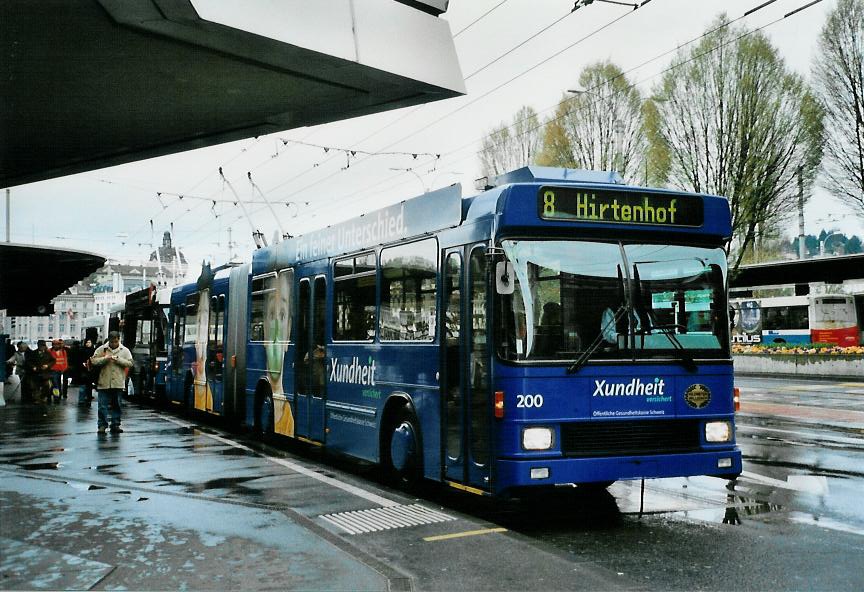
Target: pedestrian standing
x=85 y=392
x=113 y=360
x=39 y=370
x=59 y=369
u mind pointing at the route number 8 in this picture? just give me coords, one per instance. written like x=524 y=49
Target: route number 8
x=549 y=203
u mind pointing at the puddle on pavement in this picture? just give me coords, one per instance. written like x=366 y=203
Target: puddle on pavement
x=737 y=508
x=221 y=483
x=41 y=466
x=101 y=467
x=236 y=452
x=84 y=486
x=18 y=457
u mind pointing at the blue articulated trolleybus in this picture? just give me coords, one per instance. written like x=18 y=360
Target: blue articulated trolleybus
x=558 y=328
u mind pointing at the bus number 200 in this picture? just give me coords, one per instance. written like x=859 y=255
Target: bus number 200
x=529 y=401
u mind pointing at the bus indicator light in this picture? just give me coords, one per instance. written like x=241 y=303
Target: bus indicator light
x=499 y=404
x=736 y=398
x=540 y=472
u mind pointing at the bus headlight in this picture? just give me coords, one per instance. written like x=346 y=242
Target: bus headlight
x=537 y=438
x=718 y=431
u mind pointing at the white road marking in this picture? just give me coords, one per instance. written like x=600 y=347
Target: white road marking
x=352 y=489
x=809 y=435
x=815 y=484
x=823 y=522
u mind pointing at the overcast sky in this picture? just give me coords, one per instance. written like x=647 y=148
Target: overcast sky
x=107 y=211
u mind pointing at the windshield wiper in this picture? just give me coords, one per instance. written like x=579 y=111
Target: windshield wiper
x=684 y=356
x=668 y=330
x=598 y=341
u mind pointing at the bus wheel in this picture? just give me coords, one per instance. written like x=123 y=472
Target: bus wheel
x=403 y=450
x=188 y=399
x=265 y=415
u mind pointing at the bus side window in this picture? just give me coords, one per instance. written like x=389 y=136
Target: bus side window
x=256 y=315
x=354 y=298
x=453 y=297
x=408 y=291
x=191 y=312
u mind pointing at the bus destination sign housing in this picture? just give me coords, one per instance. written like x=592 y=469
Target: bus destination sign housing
x=619 y=207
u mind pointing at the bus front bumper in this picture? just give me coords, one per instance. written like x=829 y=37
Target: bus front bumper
x=560 y=471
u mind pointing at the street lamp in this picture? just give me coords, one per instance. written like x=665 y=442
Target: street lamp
x=824 y=241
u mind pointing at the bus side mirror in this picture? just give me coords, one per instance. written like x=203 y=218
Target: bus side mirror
x=505 y=281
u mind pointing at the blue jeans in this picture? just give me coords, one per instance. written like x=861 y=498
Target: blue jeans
x=109 y=406
x=58 y=382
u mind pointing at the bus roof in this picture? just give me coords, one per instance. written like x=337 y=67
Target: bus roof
x=540 y=174
x=425 y=214
x=517 y=203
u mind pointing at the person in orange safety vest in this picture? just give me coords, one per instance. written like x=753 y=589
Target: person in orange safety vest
x=58 y=371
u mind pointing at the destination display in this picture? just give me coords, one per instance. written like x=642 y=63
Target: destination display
x=600 y=205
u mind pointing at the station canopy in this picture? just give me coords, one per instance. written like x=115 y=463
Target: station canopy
x=93 y=83
x=31 y=276
x=831 y=270
x=88 y=84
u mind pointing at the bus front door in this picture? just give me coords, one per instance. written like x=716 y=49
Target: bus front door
x=216 y=354
x=177 y=375
x=465 y=365
x=311 y=360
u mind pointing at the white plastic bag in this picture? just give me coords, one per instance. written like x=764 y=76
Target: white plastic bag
x=13 y=387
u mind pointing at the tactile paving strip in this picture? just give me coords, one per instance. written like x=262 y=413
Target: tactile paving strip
x=376 y=519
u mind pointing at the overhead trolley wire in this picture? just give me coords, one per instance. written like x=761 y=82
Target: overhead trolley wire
x=518 y=45
x=484 y=95
x=452 y=152
x=445 y=155
x=641 y=65
x=480 y=18
x=257 y=139
x=401 y=117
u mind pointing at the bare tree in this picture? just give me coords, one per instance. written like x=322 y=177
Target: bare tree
x=737 y=123
x=838 y=74
x=507 y=148
x=599 y=127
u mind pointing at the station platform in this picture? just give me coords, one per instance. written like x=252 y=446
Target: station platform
x=175 y=504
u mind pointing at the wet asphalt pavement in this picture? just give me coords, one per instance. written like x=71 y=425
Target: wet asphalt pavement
x=177 y=504
x=169 y=505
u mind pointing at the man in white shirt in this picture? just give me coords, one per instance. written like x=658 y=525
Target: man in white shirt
x=113 y=360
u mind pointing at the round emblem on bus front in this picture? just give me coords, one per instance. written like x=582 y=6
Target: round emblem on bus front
x=697 y=396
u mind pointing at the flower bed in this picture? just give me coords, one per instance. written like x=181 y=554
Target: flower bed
x=808 y=360
x=822 y=349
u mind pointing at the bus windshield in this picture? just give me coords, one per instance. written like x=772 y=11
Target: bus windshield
x=614 y=300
